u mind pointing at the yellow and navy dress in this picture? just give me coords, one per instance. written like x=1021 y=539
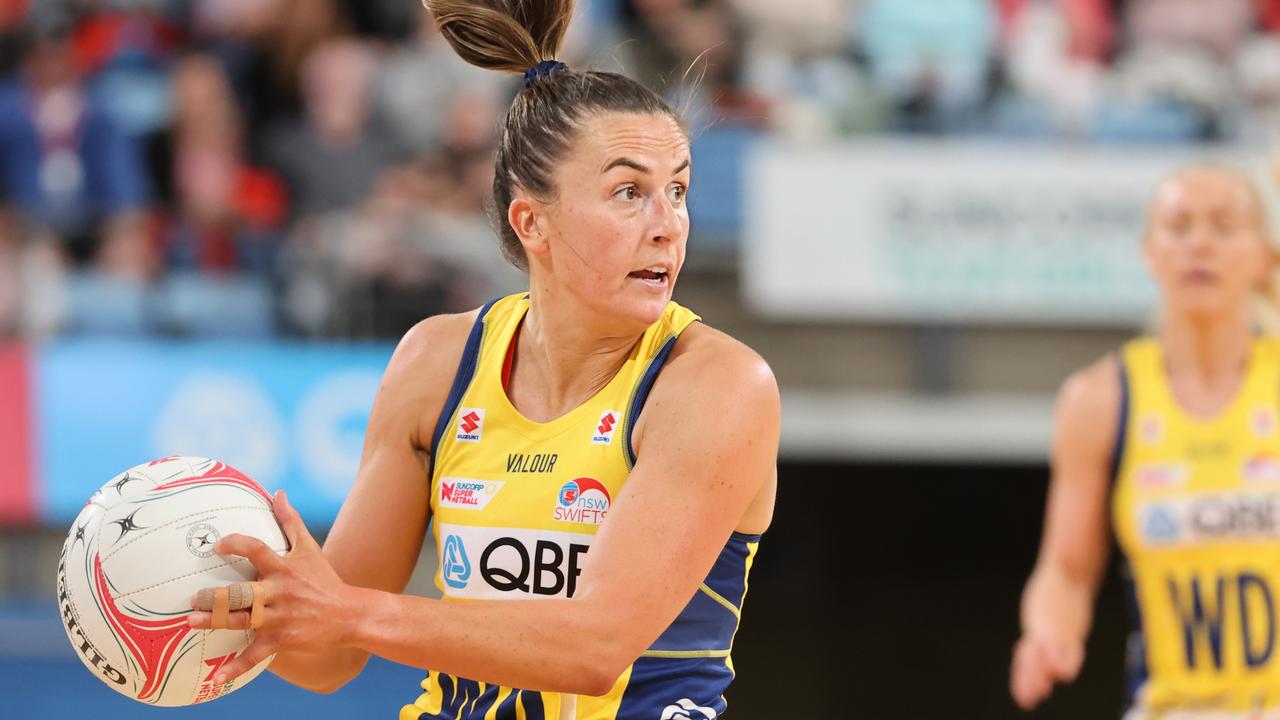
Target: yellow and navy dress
x=1196 y=510
x=515 y=505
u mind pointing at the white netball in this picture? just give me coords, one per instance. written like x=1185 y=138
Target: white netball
x=138 y=551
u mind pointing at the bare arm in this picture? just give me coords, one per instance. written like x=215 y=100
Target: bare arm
x=1057 y=605
x=644 y=565
x=377 y=536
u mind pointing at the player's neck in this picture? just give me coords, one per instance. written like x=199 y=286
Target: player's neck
x=1210 y=350
x=562 y=359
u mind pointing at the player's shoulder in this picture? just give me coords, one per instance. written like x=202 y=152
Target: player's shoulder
x=429 y=353
x=1088 y=406
x=705 y=359
x=1094 y=387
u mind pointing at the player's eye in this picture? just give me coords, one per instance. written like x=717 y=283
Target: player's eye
x=676 y=194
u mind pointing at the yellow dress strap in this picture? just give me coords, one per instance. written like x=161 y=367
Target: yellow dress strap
x=467 y=366
x=656 y=347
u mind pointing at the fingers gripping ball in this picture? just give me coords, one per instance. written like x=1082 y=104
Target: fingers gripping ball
x=240 y=596
x=140 y=549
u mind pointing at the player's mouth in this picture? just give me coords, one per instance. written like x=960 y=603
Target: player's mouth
x=654 y=276
x=1199 y=277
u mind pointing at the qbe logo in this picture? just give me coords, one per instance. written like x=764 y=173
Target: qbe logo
x=454 y=565
x=686 y=709
x=502 y=563
x=1207 y=518
x=604 y=429
x=585 y=500
x=470 y=424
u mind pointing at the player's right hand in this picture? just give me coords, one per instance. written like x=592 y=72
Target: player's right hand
x=1039 y=662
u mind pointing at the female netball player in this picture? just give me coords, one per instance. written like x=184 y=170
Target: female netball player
x=1174 y=443
x=597 y=465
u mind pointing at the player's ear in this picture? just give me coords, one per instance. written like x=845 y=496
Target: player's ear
x=527 y=219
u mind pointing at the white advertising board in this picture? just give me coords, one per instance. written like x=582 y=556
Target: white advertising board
x=933 y=231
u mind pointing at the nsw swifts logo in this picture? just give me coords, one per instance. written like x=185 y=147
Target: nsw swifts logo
x=584 y=500
x=470 y=424
x=1263 y=467
x=603 y=434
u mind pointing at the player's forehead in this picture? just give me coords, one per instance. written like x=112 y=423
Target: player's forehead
x=1205 y=189
x=654 y=140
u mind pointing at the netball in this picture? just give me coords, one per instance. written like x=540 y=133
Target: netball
x=140 y=549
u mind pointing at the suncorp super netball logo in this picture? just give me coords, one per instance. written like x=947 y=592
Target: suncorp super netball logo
x=467 y=494
x=584 y=500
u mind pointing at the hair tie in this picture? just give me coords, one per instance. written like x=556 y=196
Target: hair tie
x=544 y=69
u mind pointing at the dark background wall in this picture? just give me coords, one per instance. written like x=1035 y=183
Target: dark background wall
x=892 y=591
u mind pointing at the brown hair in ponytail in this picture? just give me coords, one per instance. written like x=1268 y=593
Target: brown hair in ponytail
x=544 y=119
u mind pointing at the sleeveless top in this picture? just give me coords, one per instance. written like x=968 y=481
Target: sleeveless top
x=515 y=505
x=1196 y=511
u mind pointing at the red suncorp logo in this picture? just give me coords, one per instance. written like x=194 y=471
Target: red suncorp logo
x=210 y=690
x=470 y=424
x=467 y=494
x=215 y=664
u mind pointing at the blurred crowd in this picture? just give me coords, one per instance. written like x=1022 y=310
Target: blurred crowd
x=320 y=168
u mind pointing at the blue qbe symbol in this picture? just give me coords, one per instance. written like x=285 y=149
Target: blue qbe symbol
x=454 y=565
x=1161 y=525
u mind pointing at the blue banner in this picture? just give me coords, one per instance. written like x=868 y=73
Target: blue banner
x=289 y=416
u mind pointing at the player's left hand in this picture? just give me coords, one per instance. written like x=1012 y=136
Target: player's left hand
x=306 y=604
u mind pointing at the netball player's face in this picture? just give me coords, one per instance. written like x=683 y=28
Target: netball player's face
x=1206 y=246
x=617 y=230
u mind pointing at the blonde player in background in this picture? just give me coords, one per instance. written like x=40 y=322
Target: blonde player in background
x=597 y=465
x=1175 y=443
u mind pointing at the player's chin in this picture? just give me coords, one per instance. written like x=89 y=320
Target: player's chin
x=643 y=302
x=1208 y=305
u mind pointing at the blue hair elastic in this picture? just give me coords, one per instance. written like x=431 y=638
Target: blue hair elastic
x=544 y=69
